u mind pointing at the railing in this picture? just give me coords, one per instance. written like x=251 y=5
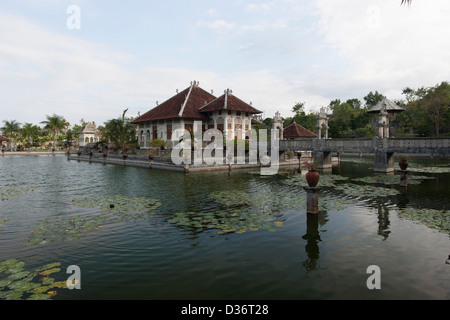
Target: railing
x=416 y=145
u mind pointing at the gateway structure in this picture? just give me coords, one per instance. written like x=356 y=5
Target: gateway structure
x=227 y=113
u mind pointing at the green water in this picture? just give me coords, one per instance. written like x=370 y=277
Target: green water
x=261 y=246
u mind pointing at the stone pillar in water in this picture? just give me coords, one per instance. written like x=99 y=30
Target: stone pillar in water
x=312 y=199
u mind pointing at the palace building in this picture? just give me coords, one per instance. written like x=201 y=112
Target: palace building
x=227 y=113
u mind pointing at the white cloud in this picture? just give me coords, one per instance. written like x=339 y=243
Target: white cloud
x=43 y=72
x=258 y=7
x=274 y=58
x=387 y=45
x=217 y=25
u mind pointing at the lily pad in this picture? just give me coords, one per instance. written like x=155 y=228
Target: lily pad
x=326 y=180
x=392 y=179
x=11 y=266
x=19 y=284
x=436 y=219
x=113 y=209
x=118 y=203
x=357 y=190
x=276 y=201
x=40 y=296
x=225 y=222
x=13 y=192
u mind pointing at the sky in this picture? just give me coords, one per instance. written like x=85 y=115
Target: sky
x=92 y=59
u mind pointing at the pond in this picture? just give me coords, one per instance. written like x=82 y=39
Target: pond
x=138 y=233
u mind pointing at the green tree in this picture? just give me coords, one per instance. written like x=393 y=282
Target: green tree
x=120 y=131
x=427 y=110
x=372 y=98
x=56 y=124
x=437 y=104
x=306 y=120
x=349 y=119
x=11 y=129
x=30 y=134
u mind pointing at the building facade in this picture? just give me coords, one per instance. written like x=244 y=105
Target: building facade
x=227 y=113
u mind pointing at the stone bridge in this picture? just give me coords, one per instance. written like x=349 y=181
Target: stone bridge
x=382 y=148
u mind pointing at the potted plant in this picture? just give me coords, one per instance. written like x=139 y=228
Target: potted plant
x=312 y=176
x=403 y=162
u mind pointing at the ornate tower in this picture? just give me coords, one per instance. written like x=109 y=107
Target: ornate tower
x=278 y=124
x=322 y=123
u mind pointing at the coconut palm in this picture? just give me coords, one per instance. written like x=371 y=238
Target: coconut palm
x=11 y=130
x=56 y=124
x=30 y=132
x=120 y=131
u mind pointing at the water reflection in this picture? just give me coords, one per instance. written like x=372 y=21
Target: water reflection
x=383 y=221
x=312 y=238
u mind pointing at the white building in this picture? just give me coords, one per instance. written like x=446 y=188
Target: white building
x=227 y=113
x=88 y=134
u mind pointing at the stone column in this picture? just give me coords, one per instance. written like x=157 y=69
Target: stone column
x=323 y=158
x=383 y=124
x=312 y=199
x=383 y=161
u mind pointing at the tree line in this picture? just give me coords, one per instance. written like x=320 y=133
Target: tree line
x=427 y=114
x=56 y=132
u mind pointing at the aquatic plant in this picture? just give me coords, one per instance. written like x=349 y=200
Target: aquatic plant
x=3 y=221
x=118 y=203
x=358 y=191
x=18 y=283
x=226 y=222
x=114 y=209
x=14 y=192
x=326 y=180
x=391 y=179
x=432 y=218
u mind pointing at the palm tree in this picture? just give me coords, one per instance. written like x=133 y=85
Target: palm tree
x=11 y=129
x=120 y=131
x=56 y=124
x=29 y=132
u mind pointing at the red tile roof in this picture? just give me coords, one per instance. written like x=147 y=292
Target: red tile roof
x=227 y=101
x=185 y=104
x=295 y=130
x=3 y=138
